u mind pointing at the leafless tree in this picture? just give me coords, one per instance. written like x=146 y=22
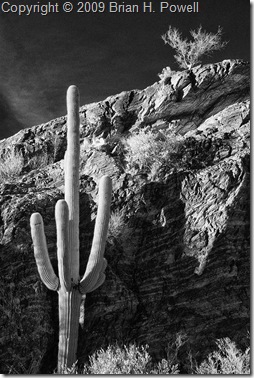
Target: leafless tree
x=188 y=53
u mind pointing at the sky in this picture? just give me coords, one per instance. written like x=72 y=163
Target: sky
x=103 y=53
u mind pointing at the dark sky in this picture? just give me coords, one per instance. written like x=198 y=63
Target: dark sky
x=103 y=53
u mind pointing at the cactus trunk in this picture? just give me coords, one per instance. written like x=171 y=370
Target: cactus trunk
x=69 y=310
x=69 y=286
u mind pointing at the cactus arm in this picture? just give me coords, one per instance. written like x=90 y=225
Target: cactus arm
x=96 y=282
x=63 y=256
x=102 y=219
x=96 y=262
x=44 y=266
x=72 y=178
x=99 y=282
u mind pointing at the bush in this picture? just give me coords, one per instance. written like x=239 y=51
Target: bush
x=228 y=359
x=148 y=151
x=188 y=53
x=166 y=72
x=116 y=225
x=116 y=360
x=11 y=166
x=165 y=367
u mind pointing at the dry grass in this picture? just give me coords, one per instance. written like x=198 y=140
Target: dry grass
x=11 y=166
x=116 y=225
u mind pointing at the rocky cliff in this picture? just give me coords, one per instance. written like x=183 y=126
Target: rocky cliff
x=178 y=244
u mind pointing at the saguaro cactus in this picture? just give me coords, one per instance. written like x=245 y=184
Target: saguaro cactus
x=71 y=288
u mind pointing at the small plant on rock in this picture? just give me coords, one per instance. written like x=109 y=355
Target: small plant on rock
x=116 y=225
x=11 y=166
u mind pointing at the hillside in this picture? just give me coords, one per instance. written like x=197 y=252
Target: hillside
x=178 y=245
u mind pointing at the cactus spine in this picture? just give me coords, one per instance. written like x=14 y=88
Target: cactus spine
x=71 y=289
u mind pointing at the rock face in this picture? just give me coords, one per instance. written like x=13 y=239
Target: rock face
x=178 y=247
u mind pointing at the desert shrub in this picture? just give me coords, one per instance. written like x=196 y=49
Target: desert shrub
x=13 y=163
x=117 y=360
x=11 y=166
x=228 y=359
x=116 y=225
x=166 y=72
x=119 y=231
x=165 y=367
x=148 y=151
x=130 y=359
x=188 y=53
x=127 y=360
x=133 y=359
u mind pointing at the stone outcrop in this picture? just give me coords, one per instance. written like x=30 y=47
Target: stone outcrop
x=179 y=263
